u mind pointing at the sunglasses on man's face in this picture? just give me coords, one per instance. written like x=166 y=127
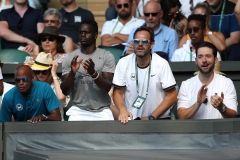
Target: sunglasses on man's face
x=144 y=41
x=44 y=72
x=194 y=29
x=51 y=21
x=24 y=79
x=125 y=5
x=153 y=14
x=51 y=39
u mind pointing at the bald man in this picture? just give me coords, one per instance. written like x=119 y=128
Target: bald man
x=31 y=101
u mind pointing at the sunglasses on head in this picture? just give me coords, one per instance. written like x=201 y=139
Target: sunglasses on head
x=144 y=41
x=51 y=39
x=44 y=72
x=194 y=29
x=51 y=21
x=125 y=5
x=173 y=13
x=66 y=18
x=24 y=79
x=153 y=14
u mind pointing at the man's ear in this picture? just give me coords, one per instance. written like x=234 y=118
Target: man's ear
x=96 y=35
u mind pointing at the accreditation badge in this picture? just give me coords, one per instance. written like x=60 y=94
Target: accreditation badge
x=138 y=102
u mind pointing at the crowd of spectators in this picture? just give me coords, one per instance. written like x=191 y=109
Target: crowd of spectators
x=150 y=33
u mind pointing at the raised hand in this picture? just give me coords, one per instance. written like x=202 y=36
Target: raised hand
x=75 y=65
x=217 y=101
x=202 y=94
x=89 y=66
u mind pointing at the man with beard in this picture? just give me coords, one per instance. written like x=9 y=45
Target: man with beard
x=19 y=25
x=72 y=16
x=208 y=95
x=144 y=86
x=115 y=32
x=87 y=74
x=166 y=39
x=196 y=30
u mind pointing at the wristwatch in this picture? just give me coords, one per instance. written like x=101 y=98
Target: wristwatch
x=223 y=109
x=45 y=117
x=56 y=78
x=209 y=33
x=151 y=117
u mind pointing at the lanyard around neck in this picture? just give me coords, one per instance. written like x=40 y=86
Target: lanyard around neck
x=149 y=70
x=221 y=17
x=116 y=26
x=190 y=53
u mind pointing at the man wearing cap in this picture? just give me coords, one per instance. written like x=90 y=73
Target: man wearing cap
x=87 y=74
x=31 y=101
x=208 y=95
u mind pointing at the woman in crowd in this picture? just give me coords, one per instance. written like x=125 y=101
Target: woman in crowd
x=49 y=41
x=45 y=70
x=215 y=38
x=172 y=17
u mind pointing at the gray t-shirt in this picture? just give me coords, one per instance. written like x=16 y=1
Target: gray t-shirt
x=86 y=94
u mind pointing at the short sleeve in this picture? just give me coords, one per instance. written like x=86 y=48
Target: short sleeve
x=230 y=96
x=107 y=28
x=50 y=99
x=66 y=65
x=109 y=64
x=5 y=111
x=119 y=79
x=183 y=101
x=166 y=77
x=3 y=15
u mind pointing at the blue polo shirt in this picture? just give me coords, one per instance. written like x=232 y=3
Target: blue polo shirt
x=229 y=22
x=26 y=26
x=166 y=40
x=42 y=100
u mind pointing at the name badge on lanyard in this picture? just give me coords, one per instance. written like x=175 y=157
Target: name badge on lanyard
x=138 y=102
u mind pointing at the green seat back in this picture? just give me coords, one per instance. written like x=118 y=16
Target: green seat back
x=117 y=53
x=12 y=55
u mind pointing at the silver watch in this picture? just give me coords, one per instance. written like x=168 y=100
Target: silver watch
x=223 y=109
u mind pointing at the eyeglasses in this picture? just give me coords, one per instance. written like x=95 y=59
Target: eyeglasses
x=125 y=5
x=153 y=14
x=24 y=79
x=51 y=21
x=44 y=72
x=51 y=39
x=144 y=41
x=173 y=13
x=19 y=26
x=66 y=18
x=194 y=29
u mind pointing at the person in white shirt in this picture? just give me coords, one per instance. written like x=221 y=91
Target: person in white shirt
x=207 y=95
x=144 y=86
x=115 y=32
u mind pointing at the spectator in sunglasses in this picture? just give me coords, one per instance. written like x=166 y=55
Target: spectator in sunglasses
x=45 y=70
x=52 y=17
x=29 y=100
x=19 y=25
x=216 y=38
x=196 y=29
x=144 y=86
x=166 y=39
x=115 y=32
x=49 y=41
x=173 y=18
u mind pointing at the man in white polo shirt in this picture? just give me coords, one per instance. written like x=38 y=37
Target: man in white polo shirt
x=115 y=32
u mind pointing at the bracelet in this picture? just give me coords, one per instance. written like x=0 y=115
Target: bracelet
x=93 y=73
x=55 y=78
x=96 y=77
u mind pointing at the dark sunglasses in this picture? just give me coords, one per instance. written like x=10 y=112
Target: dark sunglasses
x=66 y=18
x=144 y=41
x=51 y=21
x=20 y=24
x=194 y=29
x=51 y=39
x=44 y=72
x=125 y=5
x=153 y=14
x=24 y=79
x=173 y=13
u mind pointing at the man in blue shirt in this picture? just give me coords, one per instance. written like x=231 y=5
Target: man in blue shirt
x=166 y=39
x=29 y=101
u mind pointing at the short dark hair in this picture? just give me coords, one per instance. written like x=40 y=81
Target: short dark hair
x=198 y=17
x=145 y=28
x=92 y=23
x=208 y=45
x=131 y=1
